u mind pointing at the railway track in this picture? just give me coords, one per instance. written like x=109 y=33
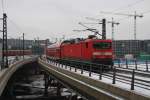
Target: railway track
x=144 y=66
x=126 y=78
x=137 y=72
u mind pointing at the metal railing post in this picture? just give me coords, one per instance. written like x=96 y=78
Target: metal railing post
x=132 y=81
x=146 y=65
x=118 y=62
x=81 y=69
x=51 y=61
x=55 y=63
x=65 y=66
x=75 y=68
x=126 y=63
x=62 y=64
x=70 y=68
x=114 y=75
x=59 y=64
x=90 y=70
x=135 y=64
x=100 y=72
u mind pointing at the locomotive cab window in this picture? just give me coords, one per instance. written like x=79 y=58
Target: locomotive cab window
x=102 y=45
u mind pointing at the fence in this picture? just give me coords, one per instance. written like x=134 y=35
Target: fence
x=10 y=62
x=99 y=69
x=141 y=65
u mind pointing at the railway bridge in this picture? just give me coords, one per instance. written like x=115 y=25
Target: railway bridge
x=82 y=85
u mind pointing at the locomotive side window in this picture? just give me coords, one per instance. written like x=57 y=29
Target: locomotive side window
x=102 y=45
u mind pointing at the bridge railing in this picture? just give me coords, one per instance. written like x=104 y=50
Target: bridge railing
x=14 y=59
x=141 y=65
x=98 y=69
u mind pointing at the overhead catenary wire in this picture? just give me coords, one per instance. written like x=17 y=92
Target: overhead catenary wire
x=10 y=37
x=10 y=20
x=14 y=23
x=122 y=19
x=135 y=15
x=88 y=29
x=94 y=19
x=146 y=12
x=123 y=14
x=128 y=15
x=125 y=18
x=113 y=23
x=129 y=5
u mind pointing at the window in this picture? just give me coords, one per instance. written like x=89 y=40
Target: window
x=102 y=45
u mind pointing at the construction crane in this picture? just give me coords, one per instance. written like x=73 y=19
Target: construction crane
x=112 y=25
x=100 y=22
x=135 y=15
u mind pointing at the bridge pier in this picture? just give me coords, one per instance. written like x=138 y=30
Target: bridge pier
x=58 y=89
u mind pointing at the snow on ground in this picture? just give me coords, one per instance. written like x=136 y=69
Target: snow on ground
x=2 y=72
x=109 y=81
x=12 y=59
x=141 y=65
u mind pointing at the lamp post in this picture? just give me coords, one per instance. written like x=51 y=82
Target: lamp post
x=23 y=45
x=4 y=45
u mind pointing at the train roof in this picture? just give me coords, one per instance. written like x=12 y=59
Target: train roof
x=90 y=38
x=54 y=45
x=101 y=40
x=74 y=41
x=77 y=40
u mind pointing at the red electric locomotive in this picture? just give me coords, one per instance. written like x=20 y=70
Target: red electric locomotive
x=91 y=50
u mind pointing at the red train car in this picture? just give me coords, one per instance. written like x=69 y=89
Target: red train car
x=54 y=51
x=91 y=50
x=18 y=52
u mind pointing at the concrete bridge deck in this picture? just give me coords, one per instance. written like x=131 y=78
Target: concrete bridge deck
x=6 y=73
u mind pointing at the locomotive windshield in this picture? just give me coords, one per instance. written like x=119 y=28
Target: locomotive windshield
x=102 y=45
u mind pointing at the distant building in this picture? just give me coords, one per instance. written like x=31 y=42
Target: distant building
x=133 y=47
x=145 y=46
x=37 y=46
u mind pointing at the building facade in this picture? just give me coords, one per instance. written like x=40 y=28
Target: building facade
x=131 y=47
x=37 y=46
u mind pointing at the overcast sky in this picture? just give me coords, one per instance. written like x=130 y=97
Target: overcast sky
x=55 y=18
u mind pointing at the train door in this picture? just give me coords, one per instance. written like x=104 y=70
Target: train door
x=86 y=51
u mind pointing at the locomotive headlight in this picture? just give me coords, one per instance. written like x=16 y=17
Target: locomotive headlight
x=97 y=53
x=108 y=53
x=102 y=53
